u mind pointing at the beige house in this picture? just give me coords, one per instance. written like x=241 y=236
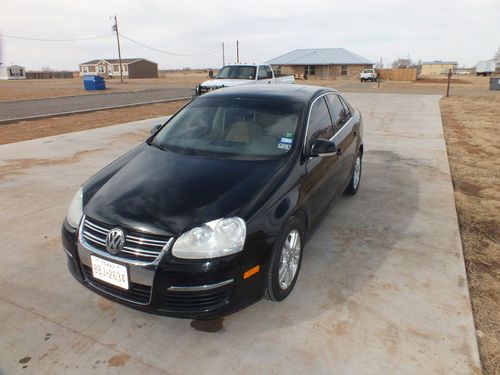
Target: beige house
x=431 y=68
x=320 y=63
x=131 y=68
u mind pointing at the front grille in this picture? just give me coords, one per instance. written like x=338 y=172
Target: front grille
x=196 y=301
x=136 y=293
x=138 y=246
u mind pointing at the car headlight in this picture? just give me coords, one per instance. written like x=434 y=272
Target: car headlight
x=75 y=210
x=214 y=239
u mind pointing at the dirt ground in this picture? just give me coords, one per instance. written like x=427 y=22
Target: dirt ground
x=470 y=119
x=25 y=130
x=471 y=126
x=46 y=88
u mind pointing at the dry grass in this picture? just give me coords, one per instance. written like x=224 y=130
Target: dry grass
x=472 y=134
x=25 y=130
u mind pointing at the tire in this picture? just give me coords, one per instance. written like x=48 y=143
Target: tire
x=285 y=260
x=361 y=80
x=353 y=186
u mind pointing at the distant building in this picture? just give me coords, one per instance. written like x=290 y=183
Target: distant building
x=131 y=68
x=320 y=63
x=430 y=68
x=12 y=72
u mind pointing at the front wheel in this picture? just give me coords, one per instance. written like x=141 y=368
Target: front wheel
x=286 y=260
x=353 y=186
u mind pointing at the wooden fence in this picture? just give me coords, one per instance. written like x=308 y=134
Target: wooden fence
x=398 y=74
x=48 y=75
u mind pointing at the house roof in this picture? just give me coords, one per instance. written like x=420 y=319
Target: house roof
x=439 y=62
x=11 y=66
x=114 y=61
x=320 y=56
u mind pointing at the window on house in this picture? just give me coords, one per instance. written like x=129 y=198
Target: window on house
x=100 y=69
x=85 y=69
x=277 y=69
x=344 y=70
x=309 y=70
x=124 y=67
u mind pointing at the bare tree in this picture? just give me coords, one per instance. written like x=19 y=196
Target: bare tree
x=497 y=55
x=402 y=62
x=46 y=68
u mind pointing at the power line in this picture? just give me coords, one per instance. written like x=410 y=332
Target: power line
x=206 y=52
x=55 y=40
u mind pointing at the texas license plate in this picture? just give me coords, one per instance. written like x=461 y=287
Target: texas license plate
x=109 y=272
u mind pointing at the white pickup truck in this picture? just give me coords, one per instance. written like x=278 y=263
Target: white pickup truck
x=243 y=74
x=368 y=75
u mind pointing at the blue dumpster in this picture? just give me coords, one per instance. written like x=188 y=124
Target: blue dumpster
x=91 y=83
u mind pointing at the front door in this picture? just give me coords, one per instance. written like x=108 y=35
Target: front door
x=325 y=71
x=321 y=180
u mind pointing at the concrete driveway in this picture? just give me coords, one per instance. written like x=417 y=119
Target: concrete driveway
x=382 y=289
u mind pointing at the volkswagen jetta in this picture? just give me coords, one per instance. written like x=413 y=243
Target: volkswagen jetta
x=211 y=213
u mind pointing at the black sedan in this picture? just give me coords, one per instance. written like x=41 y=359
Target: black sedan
x=212 y=212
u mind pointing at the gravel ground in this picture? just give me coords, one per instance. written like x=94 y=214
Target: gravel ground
x=41 y=107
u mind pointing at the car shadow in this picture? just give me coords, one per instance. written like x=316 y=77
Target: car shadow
x=348 y=246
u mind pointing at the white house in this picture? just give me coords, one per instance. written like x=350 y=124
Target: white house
x=12 y=72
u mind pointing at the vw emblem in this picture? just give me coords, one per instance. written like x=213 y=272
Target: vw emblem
x=115 y=240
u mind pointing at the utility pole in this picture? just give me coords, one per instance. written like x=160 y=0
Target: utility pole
x=237 y=51
x=223 y=56
x=115 y=28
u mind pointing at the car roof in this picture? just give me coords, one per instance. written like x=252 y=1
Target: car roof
x=279 y=91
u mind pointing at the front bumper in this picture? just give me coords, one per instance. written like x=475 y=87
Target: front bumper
x=201 y=289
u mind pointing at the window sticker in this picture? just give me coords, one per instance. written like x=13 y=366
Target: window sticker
x=284 y=146
x=289 y=135
x=286 y=140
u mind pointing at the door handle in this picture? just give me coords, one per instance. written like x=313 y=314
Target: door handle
x=355 y=134
x=339 y=152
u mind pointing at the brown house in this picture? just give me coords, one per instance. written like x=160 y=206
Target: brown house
x=131 y=68
x=320 y=63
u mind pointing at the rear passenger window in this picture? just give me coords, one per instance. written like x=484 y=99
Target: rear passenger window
x=320 y=123
x=339 y=113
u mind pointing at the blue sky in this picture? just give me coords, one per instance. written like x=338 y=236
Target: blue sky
x=461 y=30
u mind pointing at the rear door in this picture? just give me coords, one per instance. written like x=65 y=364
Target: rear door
x=344 y=136
x=320 y=185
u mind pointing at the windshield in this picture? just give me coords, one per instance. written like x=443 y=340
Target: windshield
x=235 y=127
x=237 y=72
x=368 y=71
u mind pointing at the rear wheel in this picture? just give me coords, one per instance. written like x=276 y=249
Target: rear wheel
x=286 y=260
x=353 y=186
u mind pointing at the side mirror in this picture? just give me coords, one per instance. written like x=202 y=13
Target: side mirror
x=322 y=147
x=210 y=74
x=155 y=128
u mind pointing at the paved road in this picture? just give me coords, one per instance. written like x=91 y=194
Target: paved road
x=44 y=107
x=382 y=288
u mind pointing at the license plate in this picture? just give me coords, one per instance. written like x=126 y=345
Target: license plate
x=109 y=272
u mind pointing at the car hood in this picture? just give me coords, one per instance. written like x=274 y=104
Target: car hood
x=226 y=82
x=162 y=192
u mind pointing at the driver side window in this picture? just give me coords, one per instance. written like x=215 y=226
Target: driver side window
x=262 y=73
x=320 y=123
